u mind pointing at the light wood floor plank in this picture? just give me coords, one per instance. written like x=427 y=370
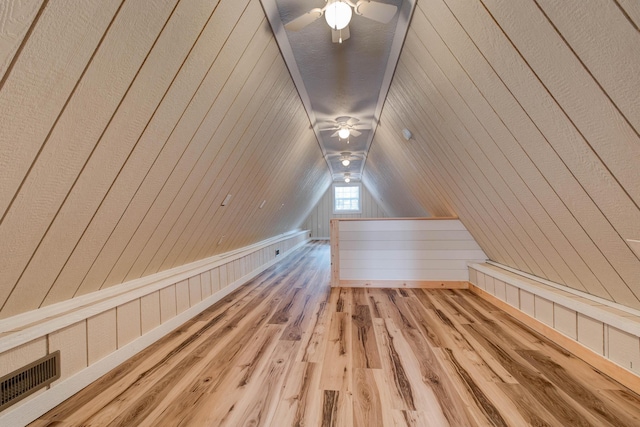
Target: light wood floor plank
x=337 y=374
x=394 y=375
x=367 y=409
x=364 y=345
x=301 y=403
x=313 y=342
x=288 y=350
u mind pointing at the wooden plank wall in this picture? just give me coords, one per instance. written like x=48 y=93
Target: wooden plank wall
x=96 y=332
x=124 y=126
x=322 y=213
x=428 y=252
x=596 y=330
x=526 y=126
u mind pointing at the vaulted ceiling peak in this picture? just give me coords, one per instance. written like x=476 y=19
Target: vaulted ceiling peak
x=342 y=85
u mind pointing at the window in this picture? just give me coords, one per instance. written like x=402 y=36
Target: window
x=346 y=198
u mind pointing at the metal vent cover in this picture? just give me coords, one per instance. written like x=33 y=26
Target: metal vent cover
x=22 y=382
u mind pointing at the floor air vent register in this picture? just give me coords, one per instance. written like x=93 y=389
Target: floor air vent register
x=25 y=381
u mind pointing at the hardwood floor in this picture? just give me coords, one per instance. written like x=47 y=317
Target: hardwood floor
x=286 y=350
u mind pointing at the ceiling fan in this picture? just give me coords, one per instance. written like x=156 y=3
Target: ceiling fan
x=338 y=15
x=344 y=126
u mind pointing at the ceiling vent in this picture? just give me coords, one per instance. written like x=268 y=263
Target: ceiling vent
x=27 y=380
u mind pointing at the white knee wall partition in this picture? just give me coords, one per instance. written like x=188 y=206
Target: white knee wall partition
x=402 y=252
x=605 y=334
x=97 y=332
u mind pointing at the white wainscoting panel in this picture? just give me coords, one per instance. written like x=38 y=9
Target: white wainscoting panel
x=586 y=323
x=404 y=252
x=98 y=331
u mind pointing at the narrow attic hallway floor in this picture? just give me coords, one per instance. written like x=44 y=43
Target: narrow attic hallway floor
x=286 y=350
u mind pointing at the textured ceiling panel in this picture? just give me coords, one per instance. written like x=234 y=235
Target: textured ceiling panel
x=525 y=122
x=125 y=125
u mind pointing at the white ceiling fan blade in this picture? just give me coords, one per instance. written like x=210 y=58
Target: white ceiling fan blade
x=355 y=132
x=303 y=20
x=337 y=34
x=352 y=121
x=380 y=12
x=334 y=134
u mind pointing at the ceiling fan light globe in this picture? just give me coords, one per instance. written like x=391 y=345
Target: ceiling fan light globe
x=338 y=15
x=343 y=133
x=346 y=162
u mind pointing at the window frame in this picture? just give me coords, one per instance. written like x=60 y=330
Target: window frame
x=349 y=211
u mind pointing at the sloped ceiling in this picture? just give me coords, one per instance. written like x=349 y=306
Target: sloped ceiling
x=125 y=124
x=526 y=120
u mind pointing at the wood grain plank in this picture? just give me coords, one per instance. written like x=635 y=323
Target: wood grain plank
x=431 y=370
x=337 y=409
x=313 y=341
x=301 y=402
x=472 y=357
x=337 y=374
x=557 y=403
x=570 y=383
x=367 y=409
x=258 y=407
x=401 y=393
x=364 y=347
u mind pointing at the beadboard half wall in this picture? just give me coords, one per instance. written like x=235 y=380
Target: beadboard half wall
x=98 y=331
x=402 y=252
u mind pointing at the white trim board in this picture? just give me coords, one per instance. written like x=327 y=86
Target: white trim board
x=621 y=317
x=20 y=329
